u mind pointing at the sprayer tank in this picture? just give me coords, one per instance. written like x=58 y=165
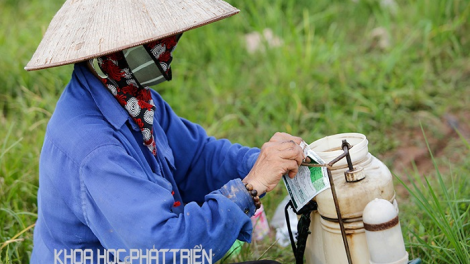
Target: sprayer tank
x=325 y=244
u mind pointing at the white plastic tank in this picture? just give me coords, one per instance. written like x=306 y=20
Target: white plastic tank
x=325 y=244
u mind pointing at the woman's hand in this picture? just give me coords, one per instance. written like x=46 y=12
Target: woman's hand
x=280 y=155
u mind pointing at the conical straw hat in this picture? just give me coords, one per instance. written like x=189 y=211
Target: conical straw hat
x=85 y=29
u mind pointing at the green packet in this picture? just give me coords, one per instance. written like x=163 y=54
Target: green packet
x=308 y=182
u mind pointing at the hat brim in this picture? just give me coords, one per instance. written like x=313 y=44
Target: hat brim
x=86 y=29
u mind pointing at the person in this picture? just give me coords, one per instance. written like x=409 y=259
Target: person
x=122 y=178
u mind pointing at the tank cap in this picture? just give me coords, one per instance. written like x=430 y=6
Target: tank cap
x=355 y=175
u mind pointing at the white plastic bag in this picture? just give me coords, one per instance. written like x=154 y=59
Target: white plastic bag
x=279 y=223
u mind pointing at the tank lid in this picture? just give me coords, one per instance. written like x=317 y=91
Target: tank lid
x=329 y=147
x=373 y=181
x=379 y=211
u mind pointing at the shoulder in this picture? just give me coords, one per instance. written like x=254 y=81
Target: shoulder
x=86 y=117
x=78 y=136
x=77 y=127
x=164 y=114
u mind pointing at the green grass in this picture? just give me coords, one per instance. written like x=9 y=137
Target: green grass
x=440 y=231
x=329 y=76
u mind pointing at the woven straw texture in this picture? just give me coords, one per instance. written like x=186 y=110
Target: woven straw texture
x=85 y=29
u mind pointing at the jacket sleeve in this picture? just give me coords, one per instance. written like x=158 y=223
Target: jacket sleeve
x=127 y=211
x=200 y=160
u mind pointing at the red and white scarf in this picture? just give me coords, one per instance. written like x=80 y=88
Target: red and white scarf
x=130 y=94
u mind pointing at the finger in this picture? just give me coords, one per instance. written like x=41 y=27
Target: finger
x=292 y=153
x=293 y=169
x=297 y=140
x=292 y=174
x=290 y=145
x=287 y=144
x=280 y=136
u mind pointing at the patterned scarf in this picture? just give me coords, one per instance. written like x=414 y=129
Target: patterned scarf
x=134 y=97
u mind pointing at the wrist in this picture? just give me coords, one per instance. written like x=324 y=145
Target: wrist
x=254 y=195
x=259 y=187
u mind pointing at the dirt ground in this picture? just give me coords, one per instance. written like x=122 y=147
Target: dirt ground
x=445 y=143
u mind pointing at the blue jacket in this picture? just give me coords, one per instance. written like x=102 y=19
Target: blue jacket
x=102 y=192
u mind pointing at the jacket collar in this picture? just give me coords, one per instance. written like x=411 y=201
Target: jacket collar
x=112 y=111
